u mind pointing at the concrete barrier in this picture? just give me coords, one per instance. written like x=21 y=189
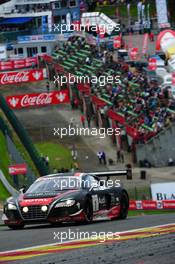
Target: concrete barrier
x=7 y=185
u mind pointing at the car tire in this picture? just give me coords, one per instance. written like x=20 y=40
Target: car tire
x=16 y=227
x=124 y=206
x=88 y=211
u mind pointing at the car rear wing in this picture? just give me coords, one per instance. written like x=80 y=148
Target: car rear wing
x=108 y=174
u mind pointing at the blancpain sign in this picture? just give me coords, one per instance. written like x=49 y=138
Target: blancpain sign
x=163 y=191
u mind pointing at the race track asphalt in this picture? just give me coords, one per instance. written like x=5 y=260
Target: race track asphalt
x=157 y=249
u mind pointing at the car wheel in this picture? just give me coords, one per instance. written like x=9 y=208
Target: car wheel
x=124 y=206
x=88 y=211
x=16 y=227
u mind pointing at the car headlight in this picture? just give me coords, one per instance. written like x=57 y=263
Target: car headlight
x=67 y=203
x=11 y=206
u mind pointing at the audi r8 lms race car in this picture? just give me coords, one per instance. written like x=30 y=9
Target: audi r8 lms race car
x=58 y=198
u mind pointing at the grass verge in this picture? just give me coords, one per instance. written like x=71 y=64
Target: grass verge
x=149 y=212
x=59 y=156
x=4 y=163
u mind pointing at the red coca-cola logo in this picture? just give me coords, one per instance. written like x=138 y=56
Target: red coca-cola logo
x=19 y=77
x=41 y=99
x=38 y=99
x=14 y=78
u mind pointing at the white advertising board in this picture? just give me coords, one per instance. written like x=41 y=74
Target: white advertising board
x=3 y=52
x=163 y=191
x=162 y=14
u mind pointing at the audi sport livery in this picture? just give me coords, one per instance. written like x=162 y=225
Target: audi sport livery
x=58 y=198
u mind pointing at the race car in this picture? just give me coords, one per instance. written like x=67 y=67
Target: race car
x=59 y=198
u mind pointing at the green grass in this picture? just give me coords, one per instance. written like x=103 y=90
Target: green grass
x=59 y=156
x=4 y=163
x=24 y=153
x=139 y=193
x=149 y=212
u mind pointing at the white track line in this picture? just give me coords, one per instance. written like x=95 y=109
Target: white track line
x=69 y=241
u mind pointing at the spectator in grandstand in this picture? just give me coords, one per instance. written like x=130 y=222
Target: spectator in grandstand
x=89 y=121
x=151 y=36
x=88 y=61
x=76 y=103
x=82 y=119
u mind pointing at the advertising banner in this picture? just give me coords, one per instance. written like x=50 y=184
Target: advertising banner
x=38 y=99
x=3 y=52
x=145 y=43
x=163 y=191
x=134 y=53
x=117 y=42
x=17 y=169
x=151 y=205
x=162 y=14
x=173 y=78
x=116 y=116
x=6 y=65
x=18 y=63
x=21 y=76
x=152 y=64
x=84 y=87
x=36 y=38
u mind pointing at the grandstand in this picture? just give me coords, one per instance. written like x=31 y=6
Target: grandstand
x=136 y=104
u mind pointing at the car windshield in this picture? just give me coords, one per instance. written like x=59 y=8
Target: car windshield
x=54 y=184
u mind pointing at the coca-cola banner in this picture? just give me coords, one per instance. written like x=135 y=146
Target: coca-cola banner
x=134 y=53
x=18 y=63
x=117 y=42
x=152 y=64
x=21 y=76
x=38 y=99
